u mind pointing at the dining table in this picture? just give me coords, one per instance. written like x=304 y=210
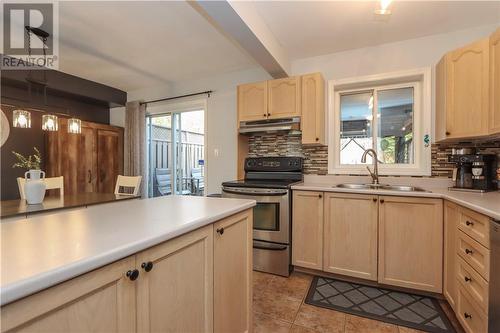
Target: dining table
x=19 y=207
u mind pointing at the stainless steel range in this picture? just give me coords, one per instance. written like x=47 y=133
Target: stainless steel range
x=268 y=181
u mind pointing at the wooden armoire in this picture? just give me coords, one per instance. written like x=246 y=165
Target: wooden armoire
x=90 y=161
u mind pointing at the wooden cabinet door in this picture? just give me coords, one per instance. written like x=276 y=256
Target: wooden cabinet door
x=411 y=242
x=307 y=229
x=495 y=82
x=109 y=159
x=467 y=91
x=233 y=249
x=350 y=235
x=100 y=301
x=313 y=109
x=176 y=295
x=252 y=101
x=73 y=156
x=451 y=221
x=284 y=98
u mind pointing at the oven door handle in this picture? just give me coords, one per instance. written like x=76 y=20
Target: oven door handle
x=254 y=192
x=272 y=247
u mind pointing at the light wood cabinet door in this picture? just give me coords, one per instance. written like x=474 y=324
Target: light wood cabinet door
x=494 y=124
x=233 y=273
x=467 y=91
x=350 y=235
x=411 y=242
x=284 y=98
x=252 y=101
x=307 y=229
x=313 y=109
x=109 y=159
x=176 y=295
x=100 y=301
x=451 y=221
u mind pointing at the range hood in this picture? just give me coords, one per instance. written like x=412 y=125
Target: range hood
x=269 y=125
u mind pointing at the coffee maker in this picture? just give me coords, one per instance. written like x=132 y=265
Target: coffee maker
x=473 y=172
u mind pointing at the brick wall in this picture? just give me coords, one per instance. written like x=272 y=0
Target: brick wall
x=316 y=156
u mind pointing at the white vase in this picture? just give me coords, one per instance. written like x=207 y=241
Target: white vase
x=34 y=187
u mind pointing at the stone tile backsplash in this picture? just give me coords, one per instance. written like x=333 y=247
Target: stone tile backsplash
x=316 y=156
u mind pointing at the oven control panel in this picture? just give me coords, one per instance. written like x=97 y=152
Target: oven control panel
x=277 y=164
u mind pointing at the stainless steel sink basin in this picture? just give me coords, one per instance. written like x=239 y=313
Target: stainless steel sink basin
x=401 y=188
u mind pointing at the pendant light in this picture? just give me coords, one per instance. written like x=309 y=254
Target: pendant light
x=50 y=123
x=74 y=126
x=21 y=118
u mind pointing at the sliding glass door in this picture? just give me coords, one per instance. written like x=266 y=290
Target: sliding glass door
x=176 y=153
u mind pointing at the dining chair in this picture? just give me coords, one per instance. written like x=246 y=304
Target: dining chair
x=51 y=183
x=128 y=181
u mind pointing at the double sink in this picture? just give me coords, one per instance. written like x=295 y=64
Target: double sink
x=399 y=188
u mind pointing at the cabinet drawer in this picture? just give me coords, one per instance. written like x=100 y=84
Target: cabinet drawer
x=471 y=317
x=474 y=254
x=476 y=226
x=473 y=283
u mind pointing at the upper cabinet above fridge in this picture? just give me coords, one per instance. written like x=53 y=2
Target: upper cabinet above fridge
x=468 y=91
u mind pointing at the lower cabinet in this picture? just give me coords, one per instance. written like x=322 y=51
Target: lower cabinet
x=100 y=301
x=451 y=221
x=411 y=242
x=307 y=229
x=198 y=282
x=350 y=235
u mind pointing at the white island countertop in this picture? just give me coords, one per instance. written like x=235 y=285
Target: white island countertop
x=41 y=251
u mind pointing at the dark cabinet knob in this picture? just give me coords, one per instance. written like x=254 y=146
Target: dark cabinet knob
x=467 y=316
x=467 y=279
x=447 y=133
x=133 y=274
x=320 y=196
x=268 y=114
x=382 y=201
x=467 y=251
x=220 y=231
x=374 y=199
x=317 y=139
x=147 y=266
x=264 y=115
x=469 y=223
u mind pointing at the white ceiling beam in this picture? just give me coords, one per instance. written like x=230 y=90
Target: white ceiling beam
x=240 y=21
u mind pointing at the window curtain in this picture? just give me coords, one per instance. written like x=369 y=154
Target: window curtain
x=135 y=143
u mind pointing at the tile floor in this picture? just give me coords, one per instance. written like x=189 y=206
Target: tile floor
x=278 y=306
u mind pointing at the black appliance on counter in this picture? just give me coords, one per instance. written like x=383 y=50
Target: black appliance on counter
x=268 y=181
x=473 y=172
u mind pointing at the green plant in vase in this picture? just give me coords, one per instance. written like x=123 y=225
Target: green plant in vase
x=31 y=162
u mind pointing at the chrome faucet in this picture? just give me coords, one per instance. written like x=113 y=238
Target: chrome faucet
x=374 y=174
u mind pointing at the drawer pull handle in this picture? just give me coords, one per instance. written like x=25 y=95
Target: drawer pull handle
x=220 y=231
x=467 y=279
x=469 y=223
x=467 y=251
x=147 y=266
x=467 y=316
x=133 y=274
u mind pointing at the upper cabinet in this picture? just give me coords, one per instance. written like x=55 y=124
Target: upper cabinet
x=252 y=101
x=495 y=83
x=468 y=91
x=284 y=98
x=463 y=89
x=313 y=109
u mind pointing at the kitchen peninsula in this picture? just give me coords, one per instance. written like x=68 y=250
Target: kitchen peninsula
x=124 y=263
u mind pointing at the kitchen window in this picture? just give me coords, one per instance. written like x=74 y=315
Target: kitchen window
x=387 y=113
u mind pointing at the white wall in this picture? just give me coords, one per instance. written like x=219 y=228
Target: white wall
x=221 y=118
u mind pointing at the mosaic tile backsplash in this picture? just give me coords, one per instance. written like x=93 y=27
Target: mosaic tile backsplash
x=316 y=157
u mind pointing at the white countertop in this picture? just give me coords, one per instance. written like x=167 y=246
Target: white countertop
x=41 y=251
x=485 y=203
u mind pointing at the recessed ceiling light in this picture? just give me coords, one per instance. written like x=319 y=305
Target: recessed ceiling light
x=384 y=8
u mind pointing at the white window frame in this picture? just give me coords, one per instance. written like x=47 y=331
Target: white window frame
x=420 y=80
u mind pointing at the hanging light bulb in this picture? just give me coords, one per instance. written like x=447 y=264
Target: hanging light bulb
x=74 y=126
x=49 y=123
x=21 y=119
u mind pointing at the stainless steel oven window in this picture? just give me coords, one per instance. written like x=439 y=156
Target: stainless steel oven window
x=266 y=216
